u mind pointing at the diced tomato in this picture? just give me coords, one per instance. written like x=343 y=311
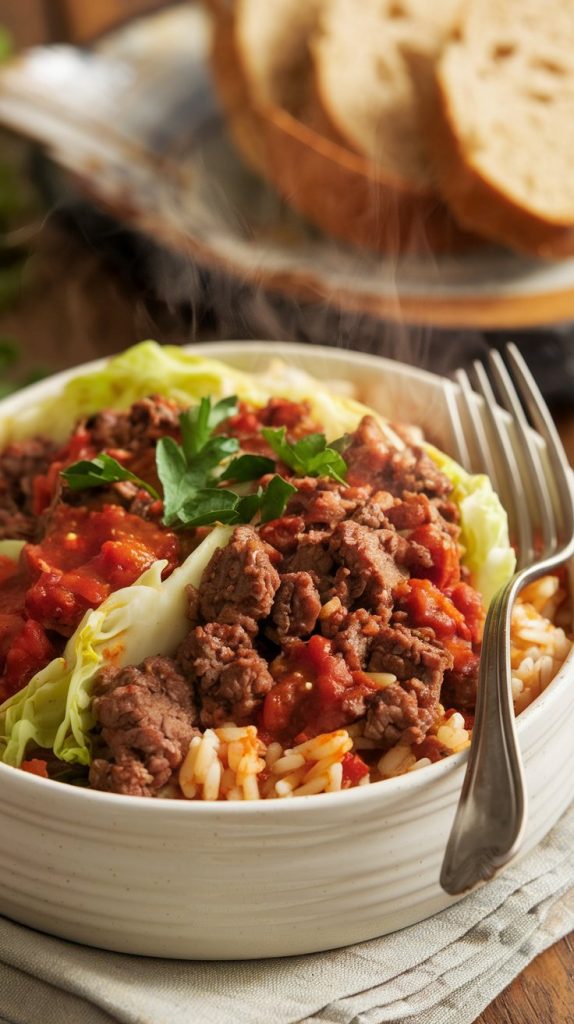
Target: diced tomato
x=354 y=769
x=85 y=556
x=47 y=485
x=445 y=569
x=427 y=606
x=469 y=602
x=36 y=767
x=314 y=692
x=30 y=650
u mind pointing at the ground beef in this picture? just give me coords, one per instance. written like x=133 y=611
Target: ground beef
x=371 y=459
x=312 y=556
x=20 y=463
x=147 y=718
x=414 y=510
x=459 y=688
x=373 y=574
x=139 y=426
x=239 y=583
x=400 y=712
x=296 y=607
x=320 y=502
x=283 y=534
x=373 y=513
x=409 y=653
x=354 y=640
x=406 y=709
x=230 y=677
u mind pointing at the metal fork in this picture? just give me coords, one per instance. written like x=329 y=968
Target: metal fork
x=535 y=480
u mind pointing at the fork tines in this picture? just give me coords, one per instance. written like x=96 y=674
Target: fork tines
x=532 y=477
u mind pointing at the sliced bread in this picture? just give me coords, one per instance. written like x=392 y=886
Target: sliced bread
x=273 y=40
x=255 y=44
x=503 y=137
x=373 y=61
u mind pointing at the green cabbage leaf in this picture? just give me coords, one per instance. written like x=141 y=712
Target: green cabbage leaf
x=484 y=527
x=54 y=709
x=148 y=369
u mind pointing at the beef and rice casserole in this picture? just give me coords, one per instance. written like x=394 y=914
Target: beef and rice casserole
x=332 y=642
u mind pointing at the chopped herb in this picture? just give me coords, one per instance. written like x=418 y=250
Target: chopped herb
x=198 y=422
x=190 y=472
x=101 y=470
x=187 y=469
x=274 y=498
x=248 y=467
x=308 y=457
x=209 y=505
x=217 y=504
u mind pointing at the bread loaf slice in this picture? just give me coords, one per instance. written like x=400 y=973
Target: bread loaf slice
x=273 y=41
x=258 y=49
x=503 y=137
x=373 y=62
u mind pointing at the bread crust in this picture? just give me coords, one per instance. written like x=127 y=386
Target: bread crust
x=334 y=188
x=480 y=204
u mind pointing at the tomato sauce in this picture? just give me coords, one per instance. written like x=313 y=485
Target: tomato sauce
x=85 y=555
x=312 y=689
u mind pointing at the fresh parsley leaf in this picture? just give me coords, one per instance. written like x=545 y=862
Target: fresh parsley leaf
x=274 y=498
x=217 y=504
x=172 y=470
x=248 y=467
x=215 y=450
x=209 y=505
x=222 y=410
x=181 y=478
x=198 y=423
x=248 y=507
x=308 y=457
x=340 y=444
x=101 y=470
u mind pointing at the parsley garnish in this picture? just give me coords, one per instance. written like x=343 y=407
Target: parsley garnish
x=308 y=457
x=220 y=505
x=99 y=471
x=191 y=472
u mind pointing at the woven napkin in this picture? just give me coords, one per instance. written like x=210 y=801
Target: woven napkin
x=444 y=970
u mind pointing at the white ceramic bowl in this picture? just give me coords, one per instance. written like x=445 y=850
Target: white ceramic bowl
x=241 y=880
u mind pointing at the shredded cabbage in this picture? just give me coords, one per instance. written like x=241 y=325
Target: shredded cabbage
x=484 y=527
x=54 y=709
x=149 y=368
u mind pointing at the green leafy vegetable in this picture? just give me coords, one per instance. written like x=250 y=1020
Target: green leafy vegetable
x=274 y=498
x=187 y=470
x=308 y=457
x=210 y=505
x=189 y=477
x=218 y=504
x=248 y=467
x=198 y=422
x=101 y=470
x=484 y=527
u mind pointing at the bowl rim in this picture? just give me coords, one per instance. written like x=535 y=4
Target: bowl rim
x=358 y=795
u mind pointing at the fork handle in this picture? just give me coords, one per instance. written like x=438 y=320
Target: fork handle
x=491 y=815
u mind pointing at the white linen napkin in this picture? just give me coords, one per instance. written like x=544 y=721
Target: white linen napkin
x=442 y=971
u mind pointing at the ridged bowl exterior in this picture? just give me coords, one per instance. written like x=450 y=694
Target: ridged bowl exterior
x=276 y=878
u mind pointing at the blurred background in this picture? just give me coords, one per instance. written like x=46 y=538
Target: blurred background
x=130 y=208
